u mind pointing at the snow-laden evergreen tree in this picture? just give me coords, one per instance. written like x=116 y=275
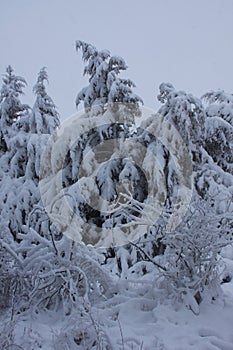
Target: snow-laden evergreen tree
x=106 y=92
x=12 y=169
x=189 y=265
x=61 y=271
x=103 y=70
x=187 y=114
x=26 y=134
x=220 y=105
x=44 y=118
x=67 y=157
x=105 y=85
x=184 y=117
x=14 y=143
x=214 y=176
x=42 y=123
x=219 y=127
x=207 y=136
x=11 y=108
x=190 y=252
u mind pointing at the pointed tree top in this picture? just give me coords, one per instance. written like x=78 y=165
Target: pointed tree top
x=105 y=86
x=12 y=84
x=39 y=87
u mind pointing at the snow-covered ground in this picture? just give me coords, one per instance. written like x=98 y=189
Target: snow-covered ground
x=129 y=321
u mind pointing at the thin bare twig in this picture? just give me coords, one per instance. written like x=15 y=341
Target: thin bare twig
x=149 y=258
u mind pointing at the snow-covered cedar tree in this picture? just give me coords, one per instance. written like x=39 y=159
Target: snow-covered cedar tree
x=105 y=85
x=103 y=71
x=11 y=108
x=207 y=134
x=62 y=272
x=20 y=204
x=105 y=90
x=44 y=119
x=214 y=176
x=12 y=168
x=190 y=260
x=179 y=108
x=187 y=114
x=26 y=133
x=14 y=159
x=220 y=104
x=219 y=127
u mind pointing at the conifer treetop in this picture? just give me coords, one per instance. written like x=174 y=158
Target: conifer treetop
x=105 y=85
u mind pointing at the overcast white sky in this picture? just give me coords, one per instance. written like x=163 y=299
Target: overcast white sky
x=185 y=42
